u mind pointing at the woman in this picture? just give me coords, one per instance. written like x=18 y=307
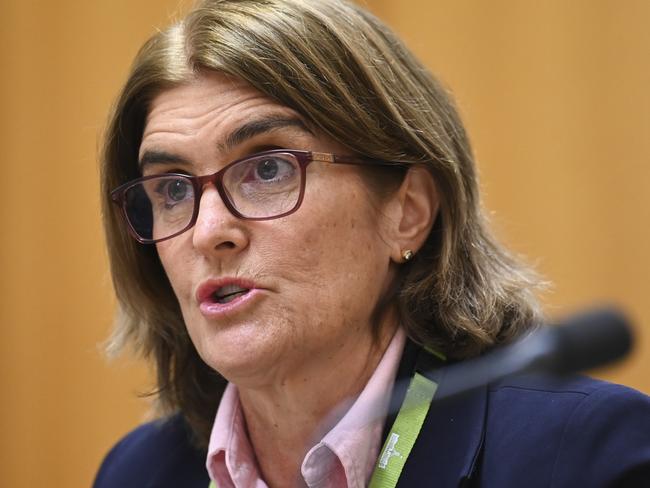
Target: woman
x=305 y=229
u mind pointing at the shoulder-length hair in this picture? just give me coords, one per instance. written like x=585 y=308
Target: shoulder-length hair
x=352 y=78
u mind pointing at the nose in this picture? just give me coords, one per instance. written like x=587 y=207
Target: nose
x=216 y=230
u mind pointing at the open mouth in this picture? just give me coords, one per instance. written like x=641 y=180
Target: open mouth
x=228 y=293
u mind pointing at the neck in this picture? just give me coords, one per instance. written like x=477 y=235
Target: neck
x=287 y=418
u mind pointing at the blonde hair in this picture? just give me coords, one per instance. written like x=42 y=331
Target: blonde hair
x=351 y=77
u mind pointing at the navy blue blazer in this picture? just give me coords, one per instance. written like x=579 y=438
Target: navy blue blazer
x=521 y=432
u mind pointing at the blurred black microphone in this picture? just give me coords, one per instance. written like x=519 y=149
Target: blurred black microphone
x=584 y=341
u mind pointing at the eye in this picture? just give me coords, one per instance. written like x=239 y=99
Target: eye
x=269 y=170
x=177 y=190
x=263 y=174
x=174 y=190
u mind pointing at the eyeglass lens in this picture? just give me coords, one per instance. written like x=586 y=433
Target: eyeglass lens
x=257 y=188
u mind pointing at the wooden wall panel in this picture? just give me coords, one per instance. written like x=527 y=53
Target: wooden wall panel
x=555 y=97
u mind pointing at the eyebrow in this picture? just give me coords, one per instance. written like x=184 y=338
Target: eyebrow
x=160 y=157
x=261 y=126
x=238 y=136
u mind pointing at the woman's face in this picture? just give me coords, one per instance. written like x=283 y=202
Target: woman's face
x=309 y=281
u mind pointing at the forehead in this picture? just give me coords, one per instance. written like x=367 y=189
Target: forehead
x=208 y=106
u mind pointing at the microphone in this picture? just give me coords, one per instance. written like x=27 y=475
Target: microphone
x=584 y=341
x=593 y=338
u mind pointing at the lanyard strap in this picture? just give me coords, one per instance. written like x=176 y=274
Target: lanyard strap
x=403 y=434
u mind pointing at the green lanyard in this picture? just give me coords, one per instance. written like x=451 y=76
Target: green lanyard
x=403 y=434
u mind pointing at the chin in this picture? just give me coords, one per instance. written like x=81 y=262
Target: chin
x=239 y=353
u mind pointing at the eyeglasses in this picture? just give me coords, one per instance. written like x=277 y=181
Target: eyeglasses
x=264 y=186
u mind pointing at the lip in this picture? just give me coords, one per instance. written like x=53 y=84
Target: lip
x=213 y=310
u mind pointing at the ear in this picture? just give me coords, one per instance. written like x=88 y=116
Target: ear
x=417 y=209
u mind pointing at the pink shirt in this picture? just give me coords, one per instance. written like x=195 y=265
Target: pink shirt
x=344 y=458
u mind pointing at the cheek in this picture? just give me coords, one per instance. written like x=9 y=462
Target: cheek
x=343 y=257
x=176 y=264
x=339 y=247
x=180 y=265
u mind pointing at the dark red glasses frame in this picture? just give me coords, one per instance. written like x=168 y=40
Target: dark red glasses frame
x=199 y=182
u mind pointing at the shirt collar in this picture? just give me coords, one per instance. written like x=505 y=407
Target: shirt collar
x=355 y=439
x=231 y=460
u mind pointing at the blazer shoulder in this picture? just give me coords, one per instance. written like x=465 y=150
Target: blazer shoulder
x=582 y=431
x=155 y=454
x=608 y=435
x=575 y=384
